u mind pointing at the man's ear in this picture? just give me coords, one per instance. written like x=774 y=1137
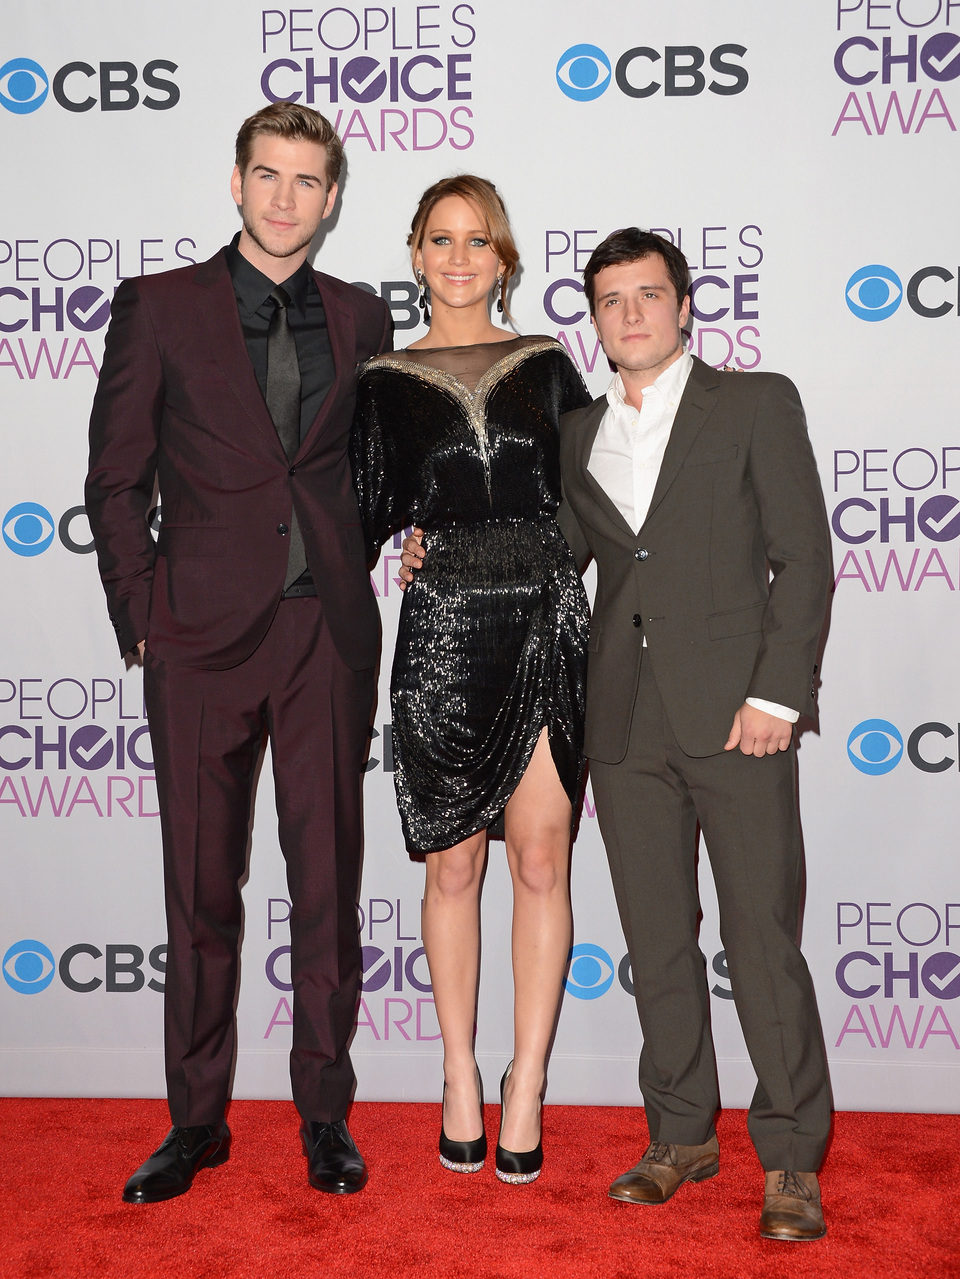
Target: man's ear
x=331 y=201
x=236 y=185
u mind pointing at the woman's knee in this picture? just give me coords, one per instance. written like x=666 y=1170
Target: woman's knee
x=455 y=872
x=541 y=866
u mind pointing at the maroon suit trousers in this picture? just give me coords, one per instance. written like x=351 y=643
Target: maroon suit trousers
x=208 y=729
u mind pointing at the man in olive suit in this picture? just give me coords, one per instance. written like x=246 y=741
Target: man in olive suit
x=696 y=492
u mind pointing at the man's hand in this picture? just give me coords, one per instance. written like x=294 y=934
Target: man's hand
x=140 y=647
x=412 y=557
x=758 y=733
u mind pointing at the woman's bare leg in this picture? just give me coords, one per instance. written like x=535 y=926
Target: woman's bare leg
x=538 y=851
x=451 y=938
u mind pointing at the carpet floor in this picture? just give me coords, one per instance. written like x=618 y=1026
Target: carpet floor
x=889 y=1190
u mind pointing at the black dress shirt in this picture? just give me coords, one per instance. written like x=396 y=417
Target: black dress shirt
x=307 y=321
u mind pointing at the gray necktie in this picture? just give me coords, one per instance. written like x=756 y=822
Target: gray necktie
x=283 y=402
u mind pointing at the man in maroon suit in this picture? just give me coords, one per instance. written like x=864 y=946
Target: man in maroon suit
x=230 y=384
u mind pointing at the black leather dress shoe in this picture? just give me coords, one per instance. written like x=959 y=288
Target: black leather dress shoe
x=334 y=1163
x=171 y=1168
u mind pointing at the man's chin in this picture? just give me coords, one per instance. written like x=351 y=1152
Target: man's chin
x=284 y=248
x=276 y=246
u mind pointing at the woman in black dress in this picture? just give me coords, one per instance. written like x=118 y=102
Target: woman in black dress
x=458 y=434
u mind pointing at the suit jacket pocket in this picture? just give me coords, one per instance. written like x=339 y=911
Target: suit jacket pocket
x=740 y=621
x=712 y=454
x=197 y=541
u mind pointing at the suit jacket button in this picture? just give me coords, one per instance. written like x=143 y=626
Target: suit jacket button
x=637 y=619
x=282 y=530
x=641 y=553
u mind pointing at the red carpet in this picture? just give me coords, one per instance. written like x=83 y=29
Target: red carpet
x=890 y=1190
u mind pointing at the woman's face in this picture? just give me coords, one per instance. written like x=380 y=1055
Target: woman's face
x=456 y=256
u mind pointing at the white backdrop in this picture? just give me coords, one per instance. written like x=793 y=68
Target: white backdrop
x=805 y=156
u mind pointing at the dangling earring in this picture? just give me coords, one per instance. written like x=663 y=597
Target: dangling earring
x=499 y=285
x=424 y=302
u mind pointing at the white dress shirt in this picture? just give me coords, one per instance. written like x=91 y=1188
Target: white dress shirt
x=628 y=452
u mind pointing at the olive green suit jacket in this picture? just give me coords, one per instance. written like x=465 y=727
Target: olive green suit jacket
x=729 y=576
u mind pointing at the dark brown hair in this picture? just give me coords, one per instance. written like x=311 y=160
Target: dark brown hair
x=296 y=124
x=631 y=245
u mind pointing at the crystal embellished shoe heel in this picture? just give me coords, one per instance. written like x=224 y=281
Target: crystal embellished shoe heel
x=517 y=1168
x=463 y=1156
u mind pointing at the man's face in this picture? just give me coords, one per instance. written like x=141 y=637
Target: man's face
x=637 y=317
x=283 y=197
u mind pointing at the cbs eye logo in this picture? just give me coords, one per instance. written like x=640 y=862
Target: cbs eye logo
x=875 y=747
x=874 y=292
x=28 y=528
x=591 y=972
x=23 y=85
x=28 y=967
x=583 y=72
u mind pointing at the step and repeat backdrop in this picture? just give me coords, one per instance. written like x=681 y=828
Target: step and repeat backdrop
x=805 y=157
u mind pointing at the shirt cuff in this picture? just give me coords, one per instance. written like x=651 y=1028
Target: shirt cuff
x=774 y=708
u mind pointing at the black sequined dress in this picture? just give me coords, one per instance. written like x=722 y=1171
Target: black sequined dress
x=491 y=646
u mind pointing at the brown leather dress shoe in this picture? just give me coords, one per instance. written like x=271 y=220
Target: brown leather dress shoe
x=663 y=1170
x=791 y=1207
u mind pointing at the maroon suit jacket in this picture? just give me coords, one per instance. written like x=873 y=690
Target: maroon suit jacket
x=178 y=404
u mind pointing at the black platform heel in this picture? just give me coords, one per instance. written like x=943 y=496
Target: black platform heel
x=463 y=1156
x=513 y=1167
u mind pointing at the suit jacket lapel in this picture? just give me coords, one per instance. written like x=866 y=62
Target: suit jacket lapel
x=340 y=330
x=219 y=320
x=696 y=404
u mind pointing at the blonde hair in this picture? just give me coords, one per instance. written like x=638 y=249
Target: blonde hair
x=483 y=195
